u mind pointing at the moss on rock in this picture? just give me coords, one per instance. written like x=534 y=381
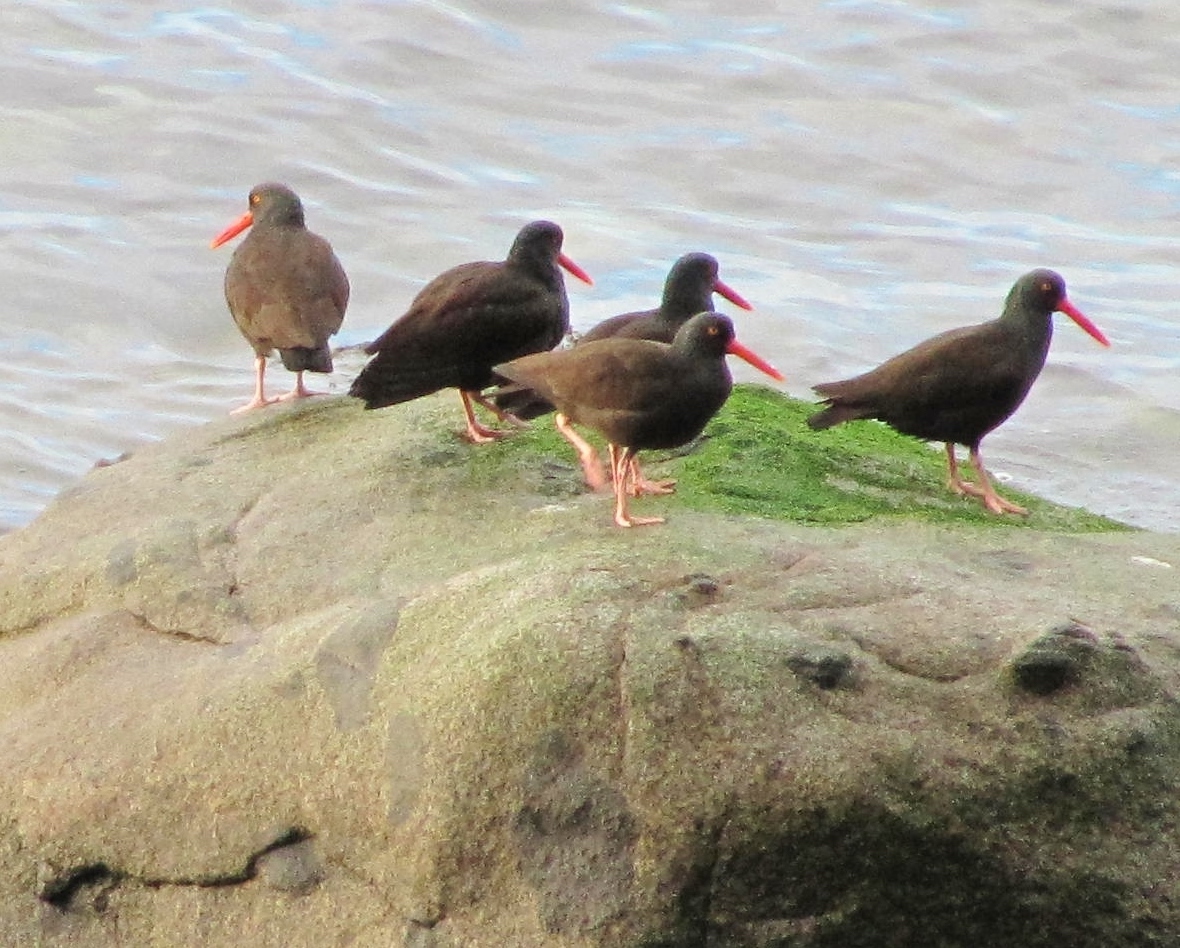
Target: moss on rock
x=324 y=676
x=759 y=457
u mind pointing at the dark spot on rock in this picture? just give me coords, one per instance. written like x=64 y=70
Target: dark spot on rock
x=865 y=876
x=1094 y=672
x=1055 y=660
x=827 y=669
x=698 y=590
x=1043 y=672
x=66 y=889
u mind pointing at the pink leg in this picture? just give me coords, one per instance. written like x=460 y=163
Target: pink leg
x=953 y=480
x=592 y=470
x=620 y=465
x=299 y=391
x=505 y=416
x=259 y=400
x=991 y=500
x=983 y=490
x=477 y=433
x=640 y=485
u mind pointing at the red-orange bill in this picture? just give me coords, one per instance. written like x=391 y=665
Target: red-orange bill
x=233 y=230
x=574 y=269
x=730 y=294
x=737 y=349
x=1082 y=320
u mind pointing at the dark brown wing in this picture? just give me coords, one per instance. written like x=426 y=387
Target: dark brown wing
x=461 y=324
x=645 y=324
x=286 y=290
x=637 y=393
x=956 y=386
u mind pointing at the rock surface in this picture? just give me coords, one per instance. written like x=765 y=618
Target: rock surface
x=307 y=679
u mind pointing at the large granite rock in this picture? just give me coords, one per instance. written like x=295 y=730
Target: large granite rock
x=315 y=678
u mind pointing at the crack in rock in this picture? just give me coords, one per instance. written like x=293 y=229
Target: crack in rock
x=90 y=884
x=61 y=889
x=148 y=626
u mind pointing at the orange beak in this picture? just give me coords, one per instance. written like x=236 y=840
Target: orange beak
x=233 y=230
x=730 y=294
x=573 y=268
x=737 y=349
x=1082 y=320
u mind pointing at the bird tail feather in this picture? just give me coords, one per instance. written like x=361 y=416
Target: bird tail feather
x=307 y=359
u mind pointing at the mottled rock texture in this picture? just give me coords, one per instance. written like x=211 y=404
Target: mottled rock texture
x=306 y=680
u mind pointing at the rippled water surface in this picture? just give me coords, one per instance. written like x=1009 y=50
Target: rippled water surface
x=868 y=173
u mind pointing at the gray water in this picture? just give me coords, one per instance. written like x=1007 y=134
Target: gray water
x=868 y=174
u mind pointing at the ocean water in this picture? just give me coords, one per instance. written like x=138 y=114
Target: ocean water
x=868 y=172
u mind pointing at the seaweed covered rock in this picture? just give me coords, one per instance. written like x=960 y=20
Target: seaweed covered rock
x=329 y=677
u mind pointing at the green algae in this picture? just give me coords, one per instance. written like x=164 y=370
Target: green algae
x=758 y=457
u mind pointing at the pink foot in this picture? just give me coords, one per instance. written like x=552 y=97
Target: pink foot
x=628 y=521
x=642 y=486
x=623 y=468
x=478 y=434
x=255 y=402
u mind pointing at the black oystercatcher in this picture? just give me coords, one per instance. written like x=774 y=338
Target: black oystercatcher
x=688 y=290
x=285 y=289
x=467 y=320
x=960 y=384
x=639 y=394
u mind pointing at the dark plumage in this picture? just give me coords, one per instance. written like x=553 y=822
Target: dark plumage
x=688 y=290
x=639 y=394
x=961 y=384
x=285 y=288
x=467 y=320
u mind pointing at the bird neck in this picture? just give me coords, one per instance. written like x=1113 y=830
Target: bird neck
x=682 y=304
x=542 y=267
x=1030 y=330
x=284 y=216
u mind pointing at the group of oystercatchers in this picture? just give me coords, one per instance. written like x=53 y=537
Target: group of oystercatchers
x=649 y=379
